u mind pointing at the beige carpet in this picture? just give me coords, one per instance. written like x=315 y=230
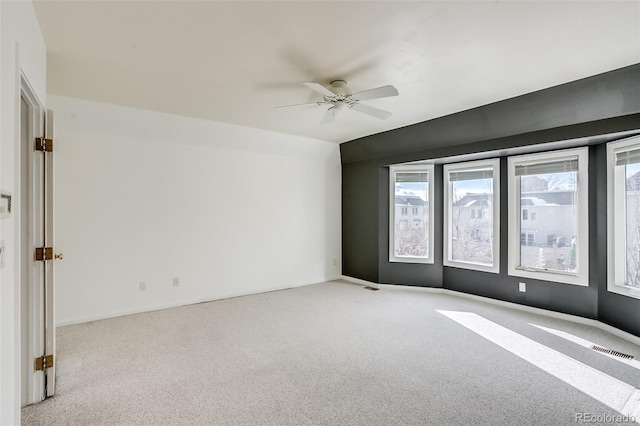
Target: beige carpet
x=326 y=354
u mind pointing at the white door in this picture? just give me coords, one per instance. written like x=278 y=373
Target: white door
x=36 y=235
x=49 y=313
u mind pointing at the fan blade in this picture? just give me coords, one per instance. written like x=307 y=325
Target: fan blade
x=320 y=89
x=299 y=105
x=374 y=112
x=378 y=92
x=329 y=116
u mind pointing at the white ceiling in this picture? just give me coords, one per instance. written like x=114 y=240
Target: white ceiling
x=234 y=61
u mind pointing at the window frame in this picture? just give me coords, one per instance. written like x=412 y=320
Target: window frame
x=514 y=217
x=615 y=218
x=447 y=209
x=409 y=168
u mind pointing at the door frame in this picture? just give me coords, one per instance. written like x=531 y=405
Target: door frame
x=35 y=328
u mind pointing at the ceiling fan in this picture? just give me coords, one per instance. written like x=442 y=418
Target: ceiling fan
x=341 y=97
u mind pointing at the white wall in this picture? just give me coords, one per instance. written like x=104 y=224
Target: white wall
x=22 y=49
x=145 y=196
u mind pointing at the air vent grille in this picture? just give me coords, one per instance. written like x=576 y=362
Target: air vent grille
x=610 y=352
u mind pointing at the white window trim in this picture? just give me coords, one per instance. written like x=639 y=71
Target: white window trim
x=582 y=255
x=615 y=219
x=422 y=168
x=495 y=267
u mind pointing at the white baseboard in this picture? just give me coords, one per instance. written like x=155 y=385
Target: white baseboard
x=559 y=315
x=173 y=304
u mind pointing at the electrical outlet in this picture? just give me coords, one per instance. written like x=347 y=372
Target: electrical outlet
x=522 y=287
x=143 y=286
x=176 y=282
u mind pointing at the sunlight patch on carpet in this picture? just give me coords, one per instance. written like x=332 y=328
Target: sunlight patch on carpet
x=612 y=392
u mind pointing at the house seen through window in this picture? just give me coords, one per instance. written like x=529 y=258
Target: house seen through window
x=549 y=243
x=410 y=214
x=472 y=215
x=548 y=198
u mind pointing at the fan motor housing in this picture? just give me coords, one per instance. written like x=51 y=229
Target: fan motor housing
x=342 y=95
x=340 y=87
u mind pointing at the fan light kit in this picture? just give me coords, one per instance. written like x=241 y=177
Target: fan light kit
x=341 y=97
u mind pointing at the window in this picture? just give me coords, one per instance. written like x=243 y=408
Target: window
x=526 y=239
x=623 y=249
x=410 y=187
x=553 y=243
x=472 y=215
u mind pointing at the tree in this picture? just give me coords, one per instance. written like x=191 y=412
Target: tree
x=541 y=262
x=633 y=236
x=573 y=262
x=411 y=241
x=472 y=234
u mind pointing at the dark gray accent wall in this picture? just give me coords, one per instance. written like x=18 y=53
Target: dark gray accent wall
x=360 y=186
x=592 y=109
x=607 y=95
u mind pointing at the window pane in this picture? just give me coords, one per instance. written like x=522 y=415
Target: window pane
x=411 y=215
x=632 y=199
x=472 y=221
x=548 y=221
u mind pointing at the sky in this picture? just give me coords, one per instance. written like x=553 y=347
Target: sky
x=415 y=188
x=632 y=169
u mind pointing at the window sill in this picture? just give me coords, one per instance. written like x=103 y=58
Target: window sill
x=480 y=267
x=633 y=292
x=555 y=277
x=420 y=260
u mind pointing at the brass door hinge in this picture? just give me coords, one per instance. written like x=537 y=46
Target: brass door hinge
x=43 y=144
x=44 y=253
x=44 y=362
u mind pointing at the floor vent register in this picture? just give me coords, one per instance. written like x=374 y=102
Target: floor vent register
x=610 y=352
